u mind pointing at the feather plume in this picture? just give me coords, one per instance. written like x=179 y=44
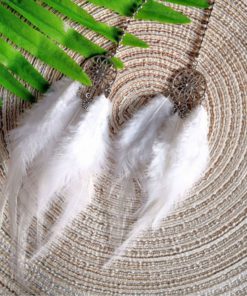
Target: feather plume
x=55 y=153
x=38 y=128
x=131 y=150
x=134 y=143
x=38 y=131
x=179 y=157
x=66 y=170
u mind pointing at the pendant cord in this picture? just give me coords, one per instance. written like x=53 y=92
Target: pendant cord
x=187 y=85
x=205 y=25
x=140 y=6
x=125 y=26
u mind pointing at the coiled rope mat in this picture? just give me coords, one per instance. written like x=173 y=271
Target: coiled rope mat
x=201 y=248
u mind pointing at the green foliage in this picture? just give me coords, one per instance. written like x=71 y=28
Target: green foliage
x=192 y=3
x=117 y=63
x=123 y=7
x=82 y=17
x=55 y=28
x=41 y=33
x=39 y=45
x=8 y=81
x=155 y=11
x=14 y=61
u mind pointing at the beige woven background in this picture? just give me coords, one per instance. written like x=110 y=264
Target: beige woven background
x=201 y=248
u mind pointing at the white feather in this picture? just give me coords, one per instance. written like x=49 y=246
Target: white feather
x=134 y=143
x=180 y=155
x=80 y=151
x=56 y=151
x=186 y=160
x=68 y=171
x=38 y=129
x=131 y=150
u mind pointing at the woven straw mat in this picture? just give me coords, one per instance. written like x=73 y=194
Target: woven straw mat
x=200 y=249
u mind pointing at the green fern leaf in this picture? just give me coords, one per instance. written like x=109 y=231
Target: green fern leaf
x=132 y=40
x=8 y=81
x=155 y=11
x=38 y=45
x=54 y=27
x=193 y=3
x=14 y=61
x=123 y=7
x=82 y=17
x=117 y=63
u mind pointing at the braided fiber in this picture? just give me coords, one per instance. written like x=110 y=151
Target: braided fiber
x=201 y=247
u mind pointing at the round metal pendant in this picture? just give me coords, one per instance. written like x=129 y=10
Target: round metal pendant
x=102 y=74
x=187 y=90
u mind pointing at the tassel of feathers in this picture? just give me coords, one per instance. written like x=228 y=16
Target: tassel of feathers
x=38 y=129
x=168 y=157
x=56 y=152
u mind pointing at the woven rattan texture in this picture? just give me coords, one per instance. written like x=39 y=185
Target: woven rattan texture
x=201 y=248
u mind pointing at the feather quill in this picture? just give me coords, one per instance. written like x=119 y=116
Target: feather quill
x=180 y=155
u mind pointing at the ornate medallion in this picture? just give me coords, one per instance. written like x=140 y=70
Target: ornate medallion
x=187 y=90
x=102 y=74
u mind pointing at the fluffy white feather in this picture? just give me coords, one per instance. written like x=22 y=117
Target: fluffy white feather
x=39 y=128
x=179 y=157
x=68 y=170
x=187 y=156
x=56 y=151
x=134 y=143
x=131 y=150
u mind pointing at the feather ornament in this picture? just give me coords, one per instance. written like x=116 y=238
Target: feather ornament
x=133 y=146
x=178 y=158
x=55 y=153
x=131 y=149
x=38 y=128
x=71 y=168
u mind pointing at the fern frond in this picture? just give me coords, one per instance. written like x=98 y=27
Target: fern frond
x=39 y=45
x=155 y=11
x=82 y=17
x=192 y=3
x=55 y=28
x=17 y=64
x=8 y=81
x=48 y=31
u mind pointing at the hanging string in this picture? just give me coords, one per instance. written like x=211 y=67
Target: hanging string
x=188 y=85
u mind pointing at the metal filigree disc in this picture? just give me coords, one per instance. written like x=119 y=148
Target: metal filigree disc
x=187 y=90
x=102 y=74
